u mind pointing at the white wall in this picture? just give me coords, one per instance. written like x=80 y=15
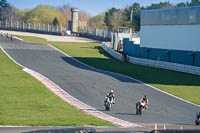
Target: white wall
x=181 y=37
x=165 y=65
x=116 y=39
x=116 y=55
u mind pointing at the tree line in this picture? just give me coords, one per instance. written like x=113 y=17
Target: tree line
x=110 y=19
x=41 y=14
x=130 y=16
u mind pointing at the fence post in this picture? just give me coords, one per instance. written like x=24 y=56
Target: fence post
x=44 y=27
x=22 y=25
x=34 y=26
x=17 y=24
x=95 y=31
x=48 y=27
x=29 y=27
x=6 y=24
x=11 y=25
x=39 y=26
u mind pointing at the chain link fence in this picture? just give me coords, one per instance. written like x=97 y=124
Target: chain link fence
x=94 y=33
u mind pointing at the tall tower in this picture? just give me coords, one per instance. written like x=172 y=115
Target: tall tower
x=74 y=24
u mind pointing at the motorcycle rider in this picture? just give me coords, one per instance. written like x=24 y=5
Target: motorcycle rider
x=111 y=96
x=145 y=100
x=198 y=115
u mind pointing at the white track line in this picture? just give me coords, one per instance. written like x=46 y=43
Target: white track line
x=11 y=57
x=18 y=38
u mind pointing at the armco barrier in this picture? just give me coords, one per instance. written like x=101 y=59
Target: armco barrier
x=165 y=65
x=112 y=52
x=153 y=63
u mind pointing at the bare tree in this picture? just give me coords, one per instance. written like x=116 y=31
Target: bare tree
x=9 y=14
x=116 y=20
x=66 y=12
x=98 y=21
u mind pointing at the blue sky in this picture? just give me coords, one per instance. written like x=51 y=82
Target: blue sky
x=93 y=7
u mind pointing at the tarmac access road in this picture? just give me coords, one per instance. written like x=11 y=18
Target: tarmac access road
x=90 y=85
x=49 y=37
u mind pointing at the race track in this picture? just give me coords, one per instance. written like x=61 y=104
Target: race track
x=90 y=85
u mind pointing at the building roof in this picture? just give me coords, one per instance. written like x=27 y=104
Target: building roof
x=171 y=16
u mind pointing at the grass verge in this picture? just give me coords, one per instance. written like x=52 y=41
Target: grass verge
x=33 y=39
x=186 y=86
x=26 y=101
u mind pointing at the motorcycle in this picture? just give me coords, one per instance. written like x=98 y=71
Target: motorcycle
x=197 y=121
x=140 y=106
x=108 y=104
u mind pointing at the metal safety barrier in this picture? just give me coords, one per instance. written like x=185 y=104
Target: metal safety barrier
x=152 y=63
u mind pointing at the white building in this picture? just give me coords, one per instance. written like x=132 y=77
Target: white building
x=174 y=28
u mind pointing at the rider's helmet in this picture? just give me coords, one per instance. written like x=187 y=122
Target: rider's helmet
x=145 y=97
x=112 y=91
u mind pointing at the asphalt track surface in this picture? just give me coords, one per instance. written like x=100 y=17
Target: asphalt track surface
x=90 y=85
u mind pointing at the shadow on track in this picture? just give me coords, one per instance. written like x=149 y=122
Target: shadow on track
x=81 y=66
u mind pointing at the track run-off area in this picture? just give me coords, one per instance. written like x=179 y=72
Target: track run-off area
x=91 y=85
